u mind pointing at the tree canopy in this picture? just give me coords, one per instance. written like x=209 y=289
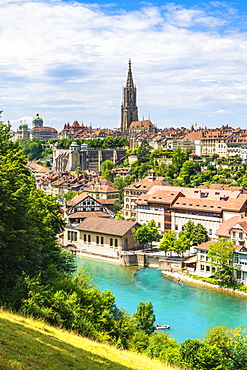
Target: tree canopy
x=29 y=222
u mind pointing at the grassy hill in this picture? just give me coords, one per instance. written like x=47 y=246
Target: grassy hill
x=31 y=344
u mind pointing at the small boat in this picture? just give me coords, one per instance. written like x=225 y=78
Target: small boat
x=159 y=326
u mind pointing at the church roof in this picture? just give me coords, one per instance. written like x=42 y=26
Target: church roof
x=141 y=124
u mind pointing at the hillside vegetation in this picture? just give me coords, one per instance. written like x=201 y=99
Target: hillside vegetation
x=31 y=344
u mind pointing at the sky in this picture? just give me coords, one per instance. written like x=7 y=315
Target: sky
x=68 y=60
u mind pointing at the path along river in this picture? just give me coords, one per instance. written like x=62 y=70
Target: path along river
x=190 y=311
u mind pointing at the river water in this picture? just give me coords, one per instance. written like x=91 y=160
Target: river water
x=190 y=311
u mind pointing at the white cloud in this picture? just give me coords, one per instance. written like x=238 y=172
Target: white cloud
x=68 y=61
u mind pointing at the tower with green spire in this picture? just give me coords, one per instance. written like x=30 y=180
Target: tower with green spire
x=129 y=109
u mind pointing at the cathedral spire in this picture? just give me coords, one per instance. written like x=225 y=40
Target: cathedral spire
x=130 y=83
x=129 y=110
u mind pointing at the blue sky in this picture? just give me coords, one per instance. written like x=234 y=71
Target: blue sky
x=68 y=60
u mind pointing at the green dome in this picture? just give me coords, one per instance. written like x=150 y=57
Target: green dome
x=37 y=118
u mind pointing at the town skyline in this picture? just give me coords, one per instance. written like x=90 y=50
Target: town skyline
x=188 y=62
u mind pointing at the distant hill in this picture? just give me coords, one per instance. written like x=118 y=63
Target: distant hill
x=31 y=344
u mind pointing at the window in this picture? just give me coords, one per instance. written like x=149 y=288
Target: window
x=176 y=227
x=116 y=243
x=207 y=268
x=89 y=238
x=241 y=235
x=85 y=237
x=234 y=234
x=72 y=236
x=102 y=240
x=97 y=239
x=210 y=232
x=202 y=267
x=111 y=242
x=202 y=258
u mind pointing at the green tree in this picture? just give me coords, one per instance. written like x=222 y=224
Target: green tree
x=163 y=347
x=232 y=343
x=116 y=206
x=106 y=168
x=154 y=234
x=188 y=169
x=29 y=223
x=197 y=234
x=145 y=317
x=195 y=354
x=182 y=244
x=221 y=254
x=33 y=149
x=168 y=241
x=143 y=152
x=142 y=235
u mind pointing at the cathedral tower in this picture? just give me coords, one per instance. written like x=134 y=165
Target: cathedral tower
x=129 y=109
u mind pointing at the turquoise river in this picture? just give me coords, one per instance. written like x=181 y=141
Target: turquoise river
x=190 y=311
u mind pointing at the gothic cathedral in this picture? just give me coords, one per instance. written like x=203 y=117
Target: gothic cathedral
x=129 y=109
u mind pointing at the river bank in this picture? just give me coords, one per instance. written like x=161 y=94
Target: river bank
x=188 y=280
x=175 y=276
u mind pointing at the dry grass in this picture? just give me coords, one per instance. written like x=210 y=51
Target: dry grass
x=32 y=344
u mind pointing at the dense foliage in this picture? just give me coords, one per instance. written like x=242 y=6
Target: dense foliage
x=107 y=142
x=192 y=235
x=35 y=150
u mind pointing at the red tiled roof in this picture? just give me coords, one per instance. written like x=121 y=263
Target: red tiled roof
x=106 y=226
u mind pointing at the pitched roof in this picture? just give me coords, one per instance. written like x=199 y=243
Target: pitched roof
x=89 y=214
x=141 y=124
x=205 y=205
x=34 y=166
x=147 y=183
x=206 y=246
x=106 y=226
x=167 y=197
x=223 y=230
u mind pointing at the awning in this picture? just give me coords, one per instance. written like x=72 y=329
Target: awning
x=192 y=259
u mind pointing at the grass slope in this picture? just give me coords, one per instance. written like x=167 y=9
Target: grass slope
x=31 y=344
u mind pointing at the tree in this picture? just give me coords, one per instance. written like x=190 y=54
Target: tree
x=188 y=169
x=197 y=234
x=182 y=244
x=142 y=235
x=106 y=168
x=145 y=317
x=154 y=234
x=116 y=206
x=232 y=343
x=147 y=233
x=32 y=148
x=163 y=347
x=168 y=241
x=29 y=223
x=143 y=152
x=196 y=354
x=221 y=254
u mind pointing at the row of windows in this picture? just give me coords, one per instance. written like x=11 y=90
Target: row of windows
x=100 y=240
x=72 y=236
x=202 y=267
x=234 y=234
